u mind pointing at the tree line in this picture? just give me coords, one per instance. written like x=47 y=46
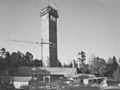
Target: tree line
x=98 y=66
x=13 y=61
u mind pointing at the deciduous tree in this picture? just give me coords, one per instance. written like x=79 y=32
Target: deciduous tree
x=98 y=66
x=112 y=66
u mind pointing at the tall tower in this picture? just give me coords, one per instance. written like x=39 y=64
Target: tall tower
x=49 y=35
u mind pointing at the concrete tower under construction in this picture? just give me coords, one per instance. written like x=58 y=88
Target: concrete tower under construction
x=49 y=35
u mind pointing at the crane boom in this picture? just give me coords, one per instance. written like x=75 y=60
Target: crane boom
x=21 y=41
x=29 y=42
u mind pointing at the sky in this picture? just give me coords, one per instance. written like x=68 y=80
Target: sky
x=92 y=26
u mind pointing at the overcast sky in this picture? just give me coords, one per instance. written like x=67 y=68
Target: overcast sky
x=89 y=25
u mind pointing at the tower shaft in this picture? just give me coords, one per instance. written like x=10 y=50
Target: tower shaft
x=49 y=34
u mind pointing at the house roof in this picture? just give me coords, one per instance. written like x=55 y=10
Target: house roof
x=28 y=71
x=60 y=70
x=22 y=79
x=83 y=76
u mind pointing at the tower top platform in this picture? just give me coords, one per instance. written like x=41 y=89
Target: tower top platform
x=49 y=10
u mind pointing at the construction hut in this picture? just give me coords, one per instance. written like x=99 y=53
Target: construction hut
x=20 y=82
x=45 y=74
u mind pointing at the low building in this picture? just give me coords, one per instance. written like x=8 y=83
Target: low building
x=21 y=81
x=46 y=74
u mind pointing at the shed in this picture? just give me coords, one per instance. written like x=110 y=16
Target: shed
x=21 y=81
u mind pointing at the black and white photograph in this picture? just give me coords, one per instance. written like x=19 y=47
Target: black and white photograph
x=59 y=44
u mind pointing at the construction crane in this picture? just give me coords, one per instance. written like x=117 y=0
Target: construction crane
x=29 y=42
